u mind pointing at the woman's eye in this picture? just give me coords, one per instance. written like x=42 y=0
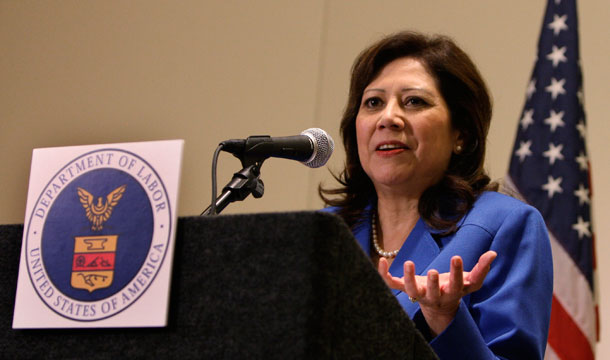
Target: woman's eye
x=415 y=101
x=373 y=102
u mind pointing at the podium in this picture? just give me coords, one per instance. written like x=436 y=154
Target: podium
x=264 y=286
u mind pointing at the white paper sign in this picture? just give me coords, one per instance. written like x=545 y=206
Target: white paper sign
x=99 y=236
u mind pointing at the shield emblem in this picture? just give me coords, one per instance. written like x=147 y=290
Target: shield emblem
x=93 y=262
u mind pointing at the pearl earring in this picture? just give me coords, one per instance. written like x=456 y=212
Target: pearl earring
x=458 y=149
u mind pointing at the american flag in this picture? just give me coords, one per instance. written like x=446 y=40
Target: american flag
x=549 y=169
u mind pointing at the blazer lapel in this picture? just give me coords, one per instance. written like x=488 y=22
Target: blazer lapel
x=419 y=247
x=362 y=232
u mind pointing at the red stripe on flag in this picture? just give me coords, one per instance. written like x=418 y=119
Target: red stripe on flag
x=597 y=323
x=565 y=336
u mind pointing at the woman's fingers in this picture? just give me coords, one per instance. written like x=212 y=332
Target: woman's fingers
x=433 y=291
x=456 y=276
x=410 y=286
x=384 y=270
x=456 y=283
x=383 y=267
x=480 y=270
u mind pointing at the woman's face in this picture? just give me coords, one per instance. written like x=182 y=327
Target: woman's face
x=403 y=128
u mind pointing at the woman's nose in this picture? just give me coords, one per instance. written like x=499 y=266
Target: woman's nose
x=391 y=117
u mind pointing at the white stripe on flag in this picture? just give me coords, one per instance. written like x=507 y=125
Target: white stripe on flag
x=573 y=292
x=550 y=354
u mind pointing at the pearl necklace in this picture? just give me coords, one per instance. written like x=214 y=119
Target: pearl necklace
x=378 y=249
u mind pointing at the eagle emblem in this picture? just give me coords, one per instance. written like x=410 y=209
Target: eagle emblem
x=99 y=212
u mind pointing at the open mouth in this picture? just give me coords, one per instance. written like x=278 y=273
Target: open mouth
x=391 y=147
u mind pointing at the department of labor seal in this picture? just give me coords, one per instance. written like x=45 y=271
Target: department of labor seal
x=98 y=234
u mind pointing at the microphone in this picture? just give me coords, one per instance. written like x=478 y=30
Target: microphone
x=313 y=147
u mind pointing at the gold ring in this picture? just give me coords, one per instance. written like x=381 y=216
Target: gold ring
x=413 y=300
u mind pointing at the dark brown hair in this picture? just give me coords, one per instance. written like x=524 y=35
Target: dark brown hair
x=469 y=103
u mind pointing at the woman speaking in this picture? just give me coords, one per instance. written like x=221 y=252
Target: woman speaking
x=416 y=196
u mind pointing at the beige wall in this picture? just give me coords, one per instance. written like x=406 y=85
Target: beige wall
x=83 y=72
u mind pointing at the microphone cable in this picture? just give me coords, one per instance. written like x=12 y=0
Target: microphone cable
x=214 y=166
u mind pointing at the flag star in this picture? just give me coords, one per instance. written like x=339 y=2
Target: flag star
x=557 y=55
x=556 y=87
x=527 y=119
x=553 y=186
x=583 y=161
x=582 y=227
x=582 y=194
x=531 y=88
x=524 y=150
x=558 y=24
x=582 y=129
x=553 y=153
x=555 y=120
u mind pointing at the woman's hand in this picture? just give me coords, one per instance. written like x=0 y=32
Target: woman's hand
x=439 y=294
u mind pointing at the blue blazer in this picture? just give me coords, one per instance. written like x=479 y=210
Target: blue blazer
x=509 y=316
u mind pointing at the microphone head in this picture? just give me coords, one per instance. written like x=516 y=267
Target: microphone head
x=323 y=147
